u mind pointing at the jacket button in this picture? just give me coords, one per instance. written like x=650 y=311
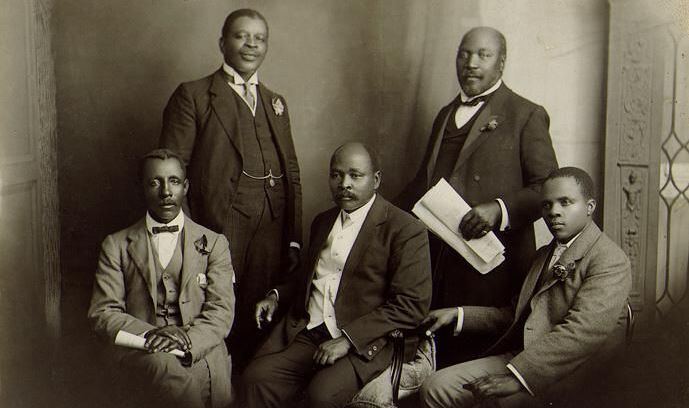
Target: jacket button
x=294 y=324
x=370 y=353
x=477 y=177
x=375 y=348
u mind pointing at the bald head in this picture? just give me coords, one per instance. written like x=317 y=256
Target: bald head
x=354 y=175
x=480 y=59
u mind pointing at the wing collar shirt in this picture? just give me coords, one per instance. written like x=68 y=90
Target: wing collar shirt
x=331 y=262
x=240 y=86
x=164 y=243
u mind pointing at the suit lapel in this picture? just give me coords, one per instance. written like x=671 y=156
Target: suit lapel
x=190 y=256
x=376 y=216
x=222 y=101
x=492 y=111
x=575 y=252
x=138 y=250
x=532 y=278
x=318 y=241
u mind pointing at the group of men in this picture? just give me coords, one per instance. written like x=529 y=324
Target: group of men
x=218 y=256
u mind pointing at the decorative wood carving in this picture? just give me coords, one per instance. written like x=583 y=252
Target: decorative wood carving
x=636 y=84
x=634 y=182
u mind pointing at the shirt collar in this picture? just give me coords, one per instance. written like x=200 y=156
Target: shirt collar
x=236 y=78
x=360 y=213
x=178 y=220
x=488 y=91
x=570 y=242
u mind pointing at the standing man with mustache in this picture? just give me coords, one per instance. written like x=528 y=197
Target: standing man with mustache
x=494 y=148
x=234 y=135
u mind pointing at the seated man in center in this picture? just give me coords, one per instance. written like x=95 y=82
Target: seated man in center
x=367 y=272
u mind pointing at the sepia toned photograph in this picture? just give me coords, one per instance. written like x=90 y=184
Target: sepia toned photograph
x=360 y=203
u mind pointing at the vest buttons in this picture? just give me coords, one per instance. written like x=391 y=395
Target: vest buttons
x=477 y=177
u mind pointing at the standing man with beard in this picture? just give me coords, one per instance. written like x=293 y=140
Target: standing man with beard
x=234 y=135
x=494 y=149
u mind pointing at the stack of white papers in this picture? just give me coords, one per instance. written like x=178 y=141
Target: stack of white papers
x=126 y=339
x=441 y=209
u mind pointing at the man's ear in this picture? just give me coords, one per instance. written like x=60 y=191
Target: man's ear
x=221 y=45
x=186 y=186
x=377 y=177
x=590 y=206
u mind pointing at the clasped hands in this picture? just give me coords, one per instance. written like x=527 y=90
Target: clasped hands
x=167 y=338
x=480 y=220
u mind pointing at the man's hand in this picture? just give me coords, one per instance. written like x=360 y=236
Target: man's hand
x=439 y=318
x=480 y=220
x=496 y=385
x=292 y=259
x=332 y=350
x=167 y=338
x=265 y=310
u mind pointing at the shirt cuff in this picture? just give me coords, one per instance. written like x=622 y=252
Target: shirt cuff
x=520 y=378
x=294 y=244
x=277 y=294
x=460 y=321
x=348 y=338
x=504 y=220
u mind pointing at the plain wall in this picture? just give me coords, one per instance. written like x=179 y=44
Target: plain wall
x=371 y=70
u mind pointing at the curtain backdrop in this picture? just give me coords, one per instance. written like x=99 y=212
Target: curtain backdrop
x=368 y=70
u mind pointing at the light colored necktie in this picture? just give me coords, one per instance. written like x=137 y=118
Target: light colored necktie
x=248 y=96
x=346 y=221
x=557 y=253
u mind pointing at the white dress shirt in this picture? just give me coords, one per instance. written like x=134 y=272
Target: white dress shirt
x=331 y=262
x=237 y=83
x=164 y=243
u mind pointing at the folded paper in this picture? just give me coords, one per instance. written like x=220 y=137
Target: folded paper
x=130 y=340
x=441 y=209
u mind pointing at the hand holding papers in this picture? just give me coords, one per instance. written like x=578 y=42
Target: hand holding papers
x=137 y=342
x=441 y=209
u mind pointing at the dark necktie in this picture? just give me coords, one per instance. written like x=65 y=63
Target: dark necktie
x=473 y=102
x=165 y=228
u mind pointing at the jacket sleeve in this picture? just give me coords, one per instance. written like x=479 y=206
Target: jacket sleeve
x=591 y=319
x=108 y=311
x=213 y=324
x=180 y=123
x=537 y=161
x=409 y=290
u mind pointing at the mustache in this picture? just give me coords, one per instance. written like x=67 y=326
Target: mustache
x=345 y=194
x=167 y=202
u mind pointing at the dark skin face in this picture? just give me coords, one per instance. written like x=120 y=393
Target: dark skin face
x=480 y=61
x=352 y=178
x=565 y=209
x=245 y=45
x=165 y=187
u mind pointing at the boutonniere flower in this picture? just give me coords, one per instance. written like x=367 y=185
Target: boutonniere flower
x=201 y=244
x=491 y=125
x=278 y=106
x=561 y=271
x=202 y=280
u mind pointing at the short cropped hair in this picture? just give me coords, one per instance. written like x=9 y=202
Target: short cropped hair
x=241 y=13
x=160 y=154
x=581 y=177
x=372 y=154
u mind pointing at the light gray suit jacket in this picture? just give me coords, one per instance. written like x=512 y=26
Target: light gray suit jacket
x=570 y=321
x=125 y=292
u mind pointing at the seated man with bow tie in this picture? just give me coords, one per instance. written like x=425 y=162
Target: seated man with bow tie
x=367 y=272
x=170 y=280
x=570 y=316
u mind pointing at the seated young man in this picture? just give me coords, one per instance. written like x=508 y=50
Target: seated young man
x=170 y=280
x=570 y=313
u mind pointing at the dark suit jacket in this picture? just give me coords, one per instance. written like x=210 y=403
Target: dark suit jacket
x=570 y=322
x=200 y=123
x=125 y=292
x=508 y=162
x=386 y=284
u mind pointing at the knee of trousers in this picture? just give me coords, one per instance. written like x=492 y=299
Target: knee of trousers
x=257 y=372
x=438 y=392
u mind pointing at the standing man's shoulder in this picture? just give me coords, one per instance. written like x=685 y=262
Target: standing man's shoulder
x=201 y=85
x=517 y=100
